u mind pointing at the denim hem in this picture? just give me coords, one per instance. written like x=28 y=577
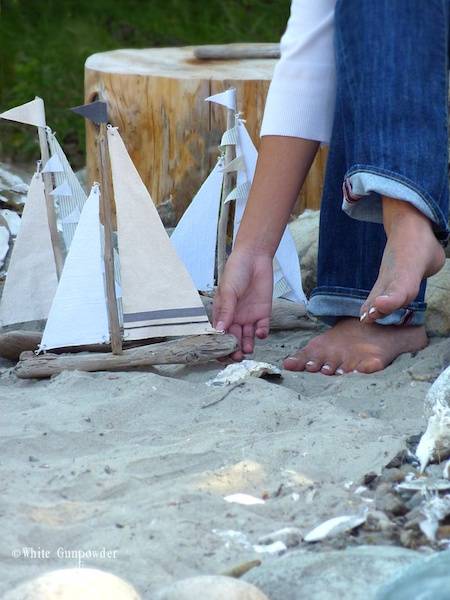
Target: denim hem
x=329 y=304
x=364 y=185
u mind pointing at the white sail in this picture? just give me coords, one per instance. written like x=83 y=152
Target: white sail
x=31 y=113
x=158 y=295
x=53 y=165
x=68 y=206
x=195 y=236
x=78 y=315
x=227 y=98
x=31 y=280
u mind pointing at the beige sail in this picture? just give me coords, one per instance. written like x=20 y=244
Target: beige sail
x=31 y=113
x=158 y=295
x=31 y=281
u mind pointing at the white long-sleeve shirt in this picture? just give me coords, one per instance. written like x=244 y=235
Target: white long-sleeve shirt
x=301 y=97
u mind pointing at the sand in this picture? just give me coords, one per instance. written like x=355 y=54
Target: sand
x=129 y=465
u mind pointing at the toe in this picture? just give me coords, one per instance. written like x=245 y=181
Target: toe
x=314 y=363
x=370 y=365
x=330 y=365
x=392 y=299
x=295 y=362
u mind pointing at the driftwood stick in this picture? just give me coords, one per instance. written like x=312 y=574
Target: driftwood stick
x=190 y=350
x=228 y=181
x=237 y=51
x=108 y=255
x=51 y=213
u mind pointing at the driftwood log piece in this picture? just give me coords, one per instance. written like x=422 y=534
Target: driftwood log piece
x=237 y=51
x=189 y=350
x=13 y=343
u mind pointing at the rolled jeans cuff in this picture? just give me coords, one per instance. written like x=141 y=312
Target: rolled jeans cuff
x=329 y=304
x=364 y=187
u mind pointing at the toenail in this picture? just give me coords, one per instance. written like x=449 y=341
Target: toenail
x=384 y=296
x=363 y=316
x=310 y=363
x=290 y=358
x=339 y=371
x=372 y=310
x=326 y=367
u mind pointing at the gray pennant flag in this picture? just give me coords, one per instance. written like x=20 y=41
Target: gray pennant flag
x=97 y=112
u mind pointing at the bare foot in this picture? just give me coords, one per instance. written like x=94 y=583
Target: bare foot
x=353 y=346
x=412 y=253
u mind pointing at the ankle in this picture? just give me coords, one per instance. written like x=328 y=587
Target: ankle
x=399 y=212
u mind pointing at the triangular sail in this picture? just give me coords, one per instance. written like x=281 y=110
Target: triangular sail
x=78 y=315
x=68 y=206
x=195 y=236
x=158 y=295
x=31 y=113
x=31 y=280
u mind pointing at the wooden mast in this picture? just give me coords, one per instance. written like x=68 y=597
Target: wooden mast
x=51 y=213
x=228 y=182
x=106 y=212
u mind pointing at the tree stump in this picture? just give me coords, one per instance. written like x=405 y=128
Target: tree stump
x=156 y=98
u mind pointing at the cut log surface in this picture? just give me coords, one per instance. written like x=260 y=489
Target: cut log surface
x=190 y=350
x=156 y=98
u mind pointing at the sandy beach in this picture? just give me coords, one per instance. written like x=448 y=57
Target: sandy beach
x=134 y=467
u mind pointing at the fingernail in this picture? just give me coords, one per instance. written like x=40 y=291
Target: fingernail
x=220 y=327
x=363 y=316
x=372 y=310
x=310 y=363
x=384 y=296
x=339 y=371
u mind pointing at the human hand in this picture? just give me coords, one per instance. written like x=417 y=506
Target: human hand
x=243 y=301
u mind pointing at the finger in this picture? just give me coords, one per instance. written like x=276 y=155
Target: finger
x=262 y=328
x=236 y=330
x=223 y=308
x=248 y=339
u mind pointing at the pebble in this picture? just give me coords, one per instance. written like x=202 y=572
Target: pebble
x=353 y=573
x=74 y=584
x=211 y=587
x=391 y=504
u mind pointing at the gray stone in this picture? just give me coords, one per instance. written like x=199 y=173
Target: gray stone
x=427 y=579
x=210 y=587
x=438 y=294
x=350 y=574
x=305 y=231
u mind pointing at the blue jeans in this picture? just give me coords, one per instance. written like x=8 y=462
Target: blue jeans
x=389 y=139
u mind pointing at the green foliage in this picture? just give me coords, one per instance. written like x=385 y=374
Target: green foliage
x=44 y=44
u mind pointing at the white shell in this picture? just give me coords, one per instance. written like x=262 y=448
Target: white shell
x=435 y=509
x=240 y=371
x=12 y=220
x=274 y=548
x=335 y=526
x=418 y=485
x=434 y=445
x=245 y=499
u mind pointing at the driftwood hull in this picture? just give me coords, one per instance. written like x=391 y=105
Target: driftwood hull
x=190 y=350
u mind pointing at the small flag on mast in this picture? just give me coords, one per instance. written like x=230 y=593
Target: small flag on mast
x=97 y=111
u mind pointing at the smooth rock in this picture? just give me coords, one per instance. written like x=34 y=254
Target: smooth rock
x=350 y=574
x=74 y=584
x=427 y=579
x=437 y=298
x=305 y=231
x=4 y=243
x=211 y=587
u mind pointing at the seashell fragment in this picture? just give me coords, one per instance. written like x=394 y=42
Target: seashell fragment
x=240 y=371
x=436 y=509
x=419 y=485
x=336 y=526
x=245 y=499
x=12 y=220
x=434 y=445
x=274 y=548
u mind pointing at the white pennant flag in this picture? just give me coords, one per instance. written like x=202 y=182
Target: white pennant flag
x=53 y=165
x=227 y=98
x=62 y=190
x=31 y=113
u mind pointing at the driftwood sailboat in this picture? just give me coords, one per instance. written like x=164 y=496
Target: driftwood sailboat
x=54 y=202
x=196 y=236
x=158 y=297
